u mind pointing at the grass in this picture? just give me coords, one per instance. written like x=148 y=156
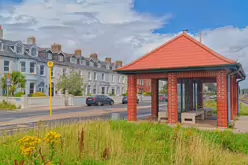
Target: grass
x=213 y=104
x=124 y=143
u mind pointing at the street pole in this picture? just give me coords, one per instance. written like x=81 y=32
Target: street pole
x=50 y=64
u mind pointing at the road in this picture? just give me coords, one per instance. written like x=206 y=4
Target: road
x=6 y=116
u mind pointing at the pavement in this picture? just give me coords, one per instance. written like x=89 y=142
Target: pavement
x=18 y=117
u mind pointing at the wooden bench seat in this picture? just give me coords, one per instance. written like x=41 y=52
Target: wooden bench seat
x=190 y=116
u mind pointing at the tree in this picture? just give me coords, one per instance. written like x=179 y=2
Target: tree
x=165 y=89
x=18 y=80
x=71 y=84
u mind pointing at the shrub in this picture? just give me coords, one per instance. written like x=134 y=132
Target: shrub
x=38 y=94
x=111 y=94
x=8 y=106
x=147 y=93
x=19 y=94
x=124 y=94
x=30 y=95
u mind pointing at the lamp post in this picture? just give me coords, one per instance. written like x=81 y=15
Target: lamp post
x=50 y=65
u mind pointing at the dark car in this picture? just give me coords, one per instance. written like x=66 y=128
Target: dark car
x=124 y=100
x=99 y=100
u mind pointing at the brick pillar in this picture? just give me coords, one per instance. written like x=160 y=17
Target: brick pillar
x=186 y=85
x=221 y=80
x=172 y=99
x=154 y=90
x=200 y=94
x=191 y=94
x=132 y=98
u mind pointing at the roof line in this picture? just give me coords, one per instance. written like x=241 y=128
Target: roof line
x=209 y=49
x=149 y=53
x=174 y=39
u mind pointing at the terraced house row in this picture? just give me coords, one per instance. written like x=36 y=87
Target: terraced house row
x=31 y=61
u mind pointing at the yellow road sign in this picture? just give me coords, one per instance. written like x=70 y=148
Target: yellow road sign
x=50 y=64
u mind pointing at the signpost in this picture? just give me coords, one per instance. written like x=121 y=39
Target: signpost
x=50 y=65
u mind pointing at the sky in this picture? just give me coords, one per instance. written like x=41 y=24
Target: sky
x=128 y=29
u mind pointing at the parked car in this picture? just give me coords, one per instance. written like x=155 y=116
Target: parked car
x=99 y=100
x=124 y=100
x=163 y=98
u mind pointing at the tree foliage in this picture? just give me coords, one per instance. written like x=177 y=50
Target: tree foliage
x=72 y=83
x=18 y=80
x=164 y=89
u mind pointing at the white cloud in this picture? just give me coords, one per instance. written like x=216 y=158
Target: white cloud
x=109 y=27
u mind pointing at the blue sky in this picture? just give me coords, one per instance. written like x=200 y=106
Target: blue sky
x=197 y=14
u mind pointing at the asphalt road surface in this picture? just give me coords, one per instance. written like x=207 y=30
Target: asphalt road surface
x=6 y=116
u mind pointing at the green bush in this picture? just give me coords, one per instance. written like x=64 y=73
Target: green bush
x=147 y=93
x=19 y=94
x=76 y=93
x=38 y=94
x=8 y=106
x=30 y=95
x=111 y=94
x=124 y=94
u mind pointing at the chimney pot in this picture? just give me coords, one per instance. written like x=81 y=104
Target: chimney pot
x=78 y=52
x=94 y=56
x=31 y=40
x=118 y=63
x=108 y=60
x=56 y=48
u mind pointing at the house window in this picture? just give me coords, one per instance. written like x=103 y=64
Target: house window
x=31 y=88
x=32 y=67
x=94 y=91
x=119 y=79
x=42 y=70
x=103 y=90
x=113 y=91
x=103 y=77
x=95 y=76
x=33 y=52
x=41 y=87
x=1 y=46
x=73 y=60
x=91 y=63
x=107 y=66
x=123 y=79
x=89 y=76
x=6 y=66
x=49 y=56
x=82 y=62
x=23 y=66
x=19 y=49
x=113 y=78
x=61 y=58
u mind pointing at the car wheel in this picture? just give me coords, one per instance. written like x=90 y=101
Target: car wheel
x=88 y=105
x=99 y=103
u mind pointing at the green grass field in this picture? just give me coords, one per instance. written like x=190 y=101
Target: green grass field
x=124 y=143
x=213 y=104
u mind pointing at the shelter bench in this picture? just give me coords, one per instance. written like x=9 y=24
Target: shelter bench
x=207 y=112
x=190 y=116
x=162 y=115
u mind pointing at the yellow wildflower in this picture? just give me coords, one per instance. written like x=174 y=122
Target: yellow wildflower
x=52 y=137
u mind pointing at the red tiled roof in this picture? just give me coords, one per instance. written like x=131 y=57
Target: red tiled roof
x=181 y=52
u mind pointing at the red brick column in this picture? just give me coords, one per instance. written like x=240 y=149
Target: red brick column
x=154 y=87
x=186 y=94
x=132 y=98
x=221 y=80
x=172 y=99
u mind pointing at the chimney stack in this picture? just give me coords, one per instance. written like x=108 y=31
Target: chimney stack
x=31 y=40
x=108 y=60
x=56 y=48
x=1 y=32
x=78 y=53
x=94 y=56
x=118 y=63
